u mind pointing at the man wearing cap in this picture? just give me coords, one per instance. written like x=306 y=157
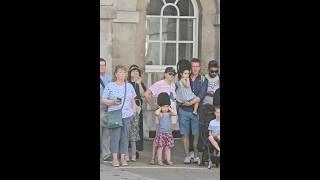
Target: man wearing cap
x=104 y=132
x=165 y=85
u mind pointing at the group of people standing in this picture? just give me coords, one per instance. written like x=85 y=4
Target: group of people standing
x=177 y=99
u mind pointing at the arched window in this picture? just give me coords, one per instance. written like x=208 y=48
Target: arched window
x=172 y=33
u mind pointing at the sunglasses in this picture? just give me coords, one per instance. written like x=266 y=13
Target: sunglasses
x=172 y=73
x=214 y=72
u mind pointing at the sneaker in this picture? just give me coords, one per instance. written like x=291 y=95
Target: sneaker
x=191 y=154
x=187 y=160
x=196 y=160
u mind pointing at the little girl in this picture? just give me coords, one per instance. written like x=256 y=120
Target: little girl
x=214 y=130
x=184 y=92
x=164 y=139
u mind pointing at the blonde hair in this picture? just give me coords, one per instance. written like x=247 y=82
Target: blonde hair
x=118 y=67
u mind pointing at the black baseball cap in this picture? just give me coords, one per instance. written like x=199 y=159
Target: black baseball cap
x=170 y=69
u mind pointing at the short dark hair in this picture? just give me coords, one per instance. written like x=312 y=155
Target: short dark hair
x=163 y=99
x=195 y=60
x=101 y=59
x=213 y=63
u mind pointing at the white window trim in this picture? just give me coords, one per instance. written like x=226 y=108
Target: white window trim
x=161 y=68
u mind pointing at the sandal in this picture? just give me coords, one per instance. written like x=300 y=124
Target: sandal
x=160 y=163
x=115 y=163
x=126 y=158
x=152 y=162
x=170 y=163
x=124 y=163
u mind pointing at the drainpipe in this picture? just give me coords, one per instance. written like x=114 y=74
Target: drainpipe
x=216 y=24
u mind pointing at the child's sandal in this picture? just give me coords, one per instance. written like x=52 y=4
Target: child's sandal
x=160 y=162
x=170 y=163
x=152 y=162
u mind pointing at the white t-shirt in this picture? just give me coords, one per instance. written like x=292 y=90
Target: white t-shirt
x=214 y=126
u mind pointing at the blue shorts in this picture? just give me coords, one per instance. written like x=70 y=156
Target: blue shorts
x=185 y=118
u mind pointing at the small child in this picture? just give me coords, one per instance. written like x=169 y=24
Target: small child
x=214 y=130
x=164 y=138
x=184 y=92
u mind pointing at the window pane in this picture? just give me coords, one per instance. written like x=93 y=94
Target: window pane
x=185 y=7
x=152 y=53
x=186 y=29
x=153 y=28
x=185 y=51
x=170 y=11
x=169 y=29
x=154 y=7
x=168 y=53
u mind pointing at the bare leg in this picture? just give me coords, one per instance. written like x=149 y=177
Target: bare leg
x=115 y=161
x=195 y=145
x=123 y=160
x=159 y=154
x=186 y=144
x=154 y=151
x=214 y=143
x=168 y=155
x=134 y=150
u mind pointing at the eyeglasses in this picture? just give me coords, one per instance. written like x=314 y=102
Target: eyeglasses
x=172 y=73
x=216 y=72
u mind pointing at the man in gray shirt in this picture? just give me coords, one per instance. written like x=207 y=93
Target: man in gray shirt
x=104 y=132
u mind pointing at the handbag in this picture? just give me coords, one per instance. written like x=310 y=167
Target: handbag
x=113 y=119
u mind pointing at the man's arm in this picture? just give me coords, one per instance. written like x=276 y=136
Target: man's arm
x=203 y=91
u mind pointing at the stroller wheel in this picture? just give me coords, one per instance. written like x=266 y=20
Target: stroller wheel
x=210 y=165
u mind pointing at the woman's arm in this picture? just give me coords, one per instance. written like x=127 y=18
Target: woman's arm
x=141 y=90
x=109 y=102
x=133 y=105
x=148 y=96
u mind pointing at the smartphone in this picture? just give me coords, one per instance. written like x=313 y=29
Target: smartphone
x=119 y=100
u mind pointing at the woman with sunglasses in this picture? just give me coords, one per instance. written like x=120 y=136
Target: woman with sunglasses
x=167 y=85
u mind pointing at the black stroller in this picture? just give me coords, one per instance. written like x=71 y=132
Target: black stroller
x=204 y=146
